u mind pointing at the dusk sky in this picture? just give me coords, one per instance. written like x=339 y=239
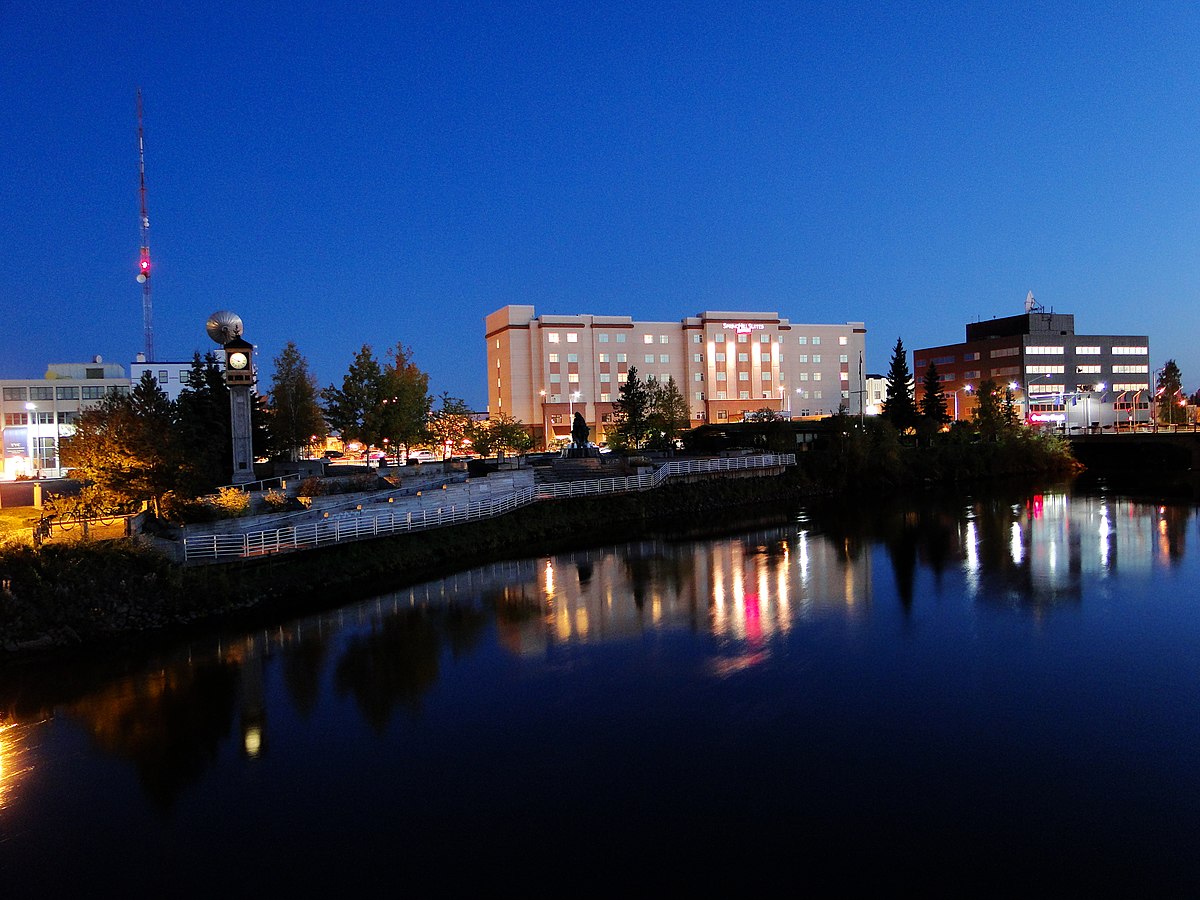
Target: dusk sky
x=345 y=174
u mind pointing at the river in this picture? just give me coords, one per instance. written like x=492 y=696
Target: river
x=986 y=693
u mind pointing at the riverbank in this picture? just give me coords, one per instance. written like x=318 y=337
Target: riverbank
x=67 y=598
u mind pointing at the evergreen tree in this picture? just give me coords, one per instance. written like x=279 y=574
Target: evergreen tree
x=630 y=412
x=1168 y=395
x=353 y=409
x=295 y=417
x=989 y=413
x=203 y=428
x=898 y=405
x=933 y=399
x=668 y=413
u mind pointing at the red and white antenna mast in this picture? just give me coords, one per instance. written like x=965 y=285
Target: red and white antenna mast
x=143 y=276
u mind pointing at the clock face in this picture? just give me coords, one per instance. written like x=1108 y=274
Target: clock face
x=238 y=360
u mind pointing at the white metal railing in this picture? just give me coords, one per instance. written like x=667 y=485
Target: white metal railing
x=353 y=527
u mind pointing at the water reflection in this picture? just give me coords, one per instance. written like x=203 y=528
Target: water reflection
x=172 y=717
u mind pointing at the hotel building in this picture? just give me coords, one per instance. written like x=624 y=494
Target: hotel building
x=543 y=369
x=1058 y=378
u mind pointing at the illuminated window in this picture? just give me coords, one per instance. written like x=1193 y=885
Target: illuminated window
x=697 y=338
x=553 y=357
x=603 y=357
x=816 y=376
x=662 y=339
x=602 y=338
x=605 y=398
x=1129 y=351
x=1087 y=351
x=842 y=340
x=802 y=358
x=764 y=339
x=1087 y=370
x=622 y=377
x=552 y=337
x=816 y=357
x=16 y=418
x=802 y=339
x=698 y=357
x=1047 y=351
x=699 y=376
x=572 y=337
x=573 y=378
x=1129 y=370
x=647 y=339
x=743 y=395
x=816 y=340
x=843 y=358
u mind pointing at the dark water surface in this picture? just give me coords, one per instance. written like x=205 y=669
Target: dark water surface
x=983 y=694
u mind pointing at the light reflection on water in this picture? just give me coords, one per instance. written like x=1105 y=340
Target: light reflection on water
x=849 y=624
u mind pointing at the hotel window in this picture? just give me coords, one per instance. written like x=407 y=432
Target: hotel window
x=803 y=357
x=743 y=376
x=620 y=357
x=843 y=358
x=743 y=395
x=845 y=376
x=552 y=337
x=766 y=376
x=603 y=357
x=605 y=377
x=719 y=357
x=1087 y=351
x=605 y=398
x=41 y=393
x=649 y=357
x=804 y=376
x=650 y=376
x=647 y=339
x=816 y=357
x=573 y=378
x=699 y=376
x=766 y=357
x=553 y=357
x=722 y=414
x=743 y=357
x=602 y=338
x=497 y=343
x=622 y=377
x=14 y=393
x=572 y=357
x=743 y=338
x=572 y=337
x=721 y=395
x=1129 y=351
x=67 y=393
x=555 y=378
x=764 y=339
x=697 y=338
x=816 y=376
x=720 y=376
x=621 y=338
x=719 y=337
x=698 y=357
x=842 y=340
x=662 y=339
x=699 y=395
x=664 y=357
x=802 y=339
x=816 y=395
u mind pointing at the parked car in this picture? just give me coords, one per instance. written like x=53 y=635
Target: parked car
x=421 y=456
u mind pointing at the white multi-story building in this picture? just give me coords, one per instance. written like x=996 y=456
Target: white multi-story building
x=172 y=377
x=39 y=412
x=543 y=369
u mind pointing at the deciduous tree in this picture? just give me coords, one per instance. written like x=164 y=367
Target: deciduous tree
x=295 y=416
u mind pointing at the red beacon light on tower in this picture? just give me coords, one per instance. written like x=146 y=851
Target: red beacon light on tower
x=144 y=268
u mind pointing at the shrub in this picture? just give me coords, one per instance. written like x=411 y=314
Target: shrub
x=312 y=487
x=230 y=502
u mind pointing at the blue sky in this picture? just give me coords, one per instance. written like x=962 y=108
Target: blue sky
x=341 y=175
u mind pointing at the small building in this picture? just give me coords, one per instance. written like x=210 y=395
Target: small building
x=172 y=377
x=39 y=412
x=1056 y=377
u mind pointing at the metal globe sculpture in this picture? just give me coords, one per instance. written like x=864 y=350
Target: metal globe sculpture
x=223 y=326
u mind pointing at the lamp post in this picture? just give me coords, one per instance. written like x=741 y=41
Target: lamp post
x=545 y=428
x=965 y=387
x=31 y=411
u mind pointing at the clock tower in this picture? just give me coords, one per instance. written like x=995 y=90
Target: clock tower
x=225 y=328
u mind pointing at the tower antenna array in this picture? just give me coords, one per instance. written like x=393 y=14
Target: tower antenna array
x=144 y=261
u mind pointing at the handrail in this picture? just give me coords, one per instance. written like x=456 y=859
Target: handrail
x=350 y=527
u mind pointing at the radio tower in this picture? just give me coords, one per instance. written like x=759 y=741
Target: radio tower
x=144 y=262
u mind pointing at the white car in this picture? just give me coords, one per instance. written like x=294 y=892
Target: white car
x=421 y=456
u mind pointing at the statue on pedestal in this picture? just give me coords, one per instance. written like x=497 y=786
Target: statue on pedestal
x=579 y=431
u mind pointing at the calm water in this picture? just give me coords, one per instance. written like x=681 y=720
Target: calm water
x=971 y=693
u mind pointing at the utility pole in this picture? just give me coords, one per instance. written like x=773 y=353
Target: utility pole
x=143 y=276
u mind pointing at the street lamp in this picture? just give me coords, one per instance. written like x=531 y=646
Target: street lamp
x=965 y=387
x=31 y=409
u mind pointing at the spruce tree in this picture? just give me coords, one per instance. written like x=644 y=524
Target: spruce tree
x=933 y=400
x=898 y=405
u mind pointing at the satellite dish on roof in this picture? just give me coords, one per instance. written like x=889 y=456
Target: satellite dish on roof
x=223 y=326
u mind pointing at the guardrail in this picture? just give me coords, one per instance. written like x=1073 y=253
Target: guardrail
x=352 y=527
